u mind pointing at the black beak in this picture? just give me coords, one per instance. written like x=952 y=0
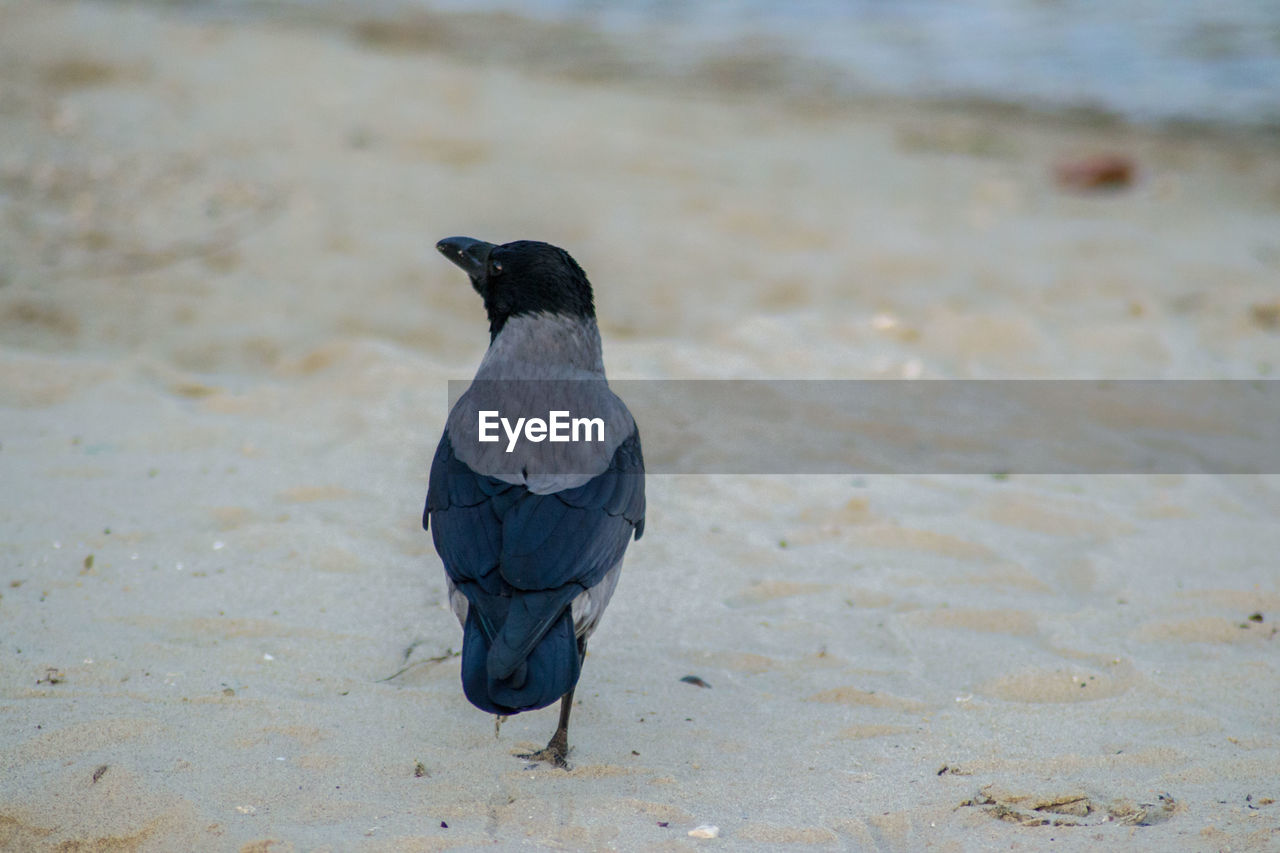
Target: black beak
x=469 y=254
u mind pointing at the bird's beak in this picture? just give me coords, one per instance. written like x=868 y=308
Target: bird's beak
x=469 y=254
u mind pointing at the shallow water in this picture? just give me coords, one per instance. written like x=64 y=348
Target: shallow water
x=1144 y=60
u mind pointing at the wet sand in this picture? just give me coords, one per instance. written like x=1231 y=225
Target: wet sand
x=225 y=341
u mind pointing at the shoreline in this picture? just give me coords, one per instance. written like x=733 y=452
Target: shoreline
x=747 y=68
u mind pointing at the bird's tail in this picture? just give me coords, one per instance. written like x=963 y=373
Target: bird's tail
x=499 y=675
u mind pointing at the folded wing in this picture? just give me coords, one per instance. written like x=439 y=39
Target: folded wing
x=520 y=559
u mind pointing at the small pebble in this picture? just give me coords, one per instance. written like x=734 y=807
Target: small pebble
x=1266 y=314
x=1103 y=171
x=705 y=831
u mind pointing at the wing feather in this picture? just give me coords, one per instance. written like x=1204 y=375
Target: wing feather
x=521 y=559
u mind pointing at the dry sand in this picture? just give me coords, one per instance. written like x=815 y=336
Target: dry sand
x=224 y=343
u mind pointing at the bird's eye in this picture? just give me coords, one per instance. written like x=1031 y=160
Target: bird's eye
x=495 y=267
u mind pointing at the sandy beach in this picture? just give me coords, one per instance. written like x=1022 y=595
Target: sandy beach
x=225 y=343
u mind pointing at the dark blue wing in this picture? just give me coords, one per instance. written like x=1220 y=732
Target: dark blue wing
x=520 y=559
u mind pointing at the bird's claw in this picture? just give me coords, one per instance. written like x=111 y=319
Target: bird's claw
x=555 y=758
x=556 y=753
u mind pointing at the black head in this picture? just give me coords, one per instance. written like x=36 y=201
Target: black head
x=524 y=277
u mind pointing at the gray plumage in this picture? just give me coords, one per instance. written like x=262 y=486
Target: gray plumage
x=541 y=363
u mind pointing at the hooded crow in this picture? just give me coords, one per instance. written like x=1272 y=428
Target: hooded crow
x=532 y=527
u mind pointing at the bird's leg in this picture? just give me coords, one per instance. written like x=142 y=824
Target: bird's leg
x=498 y=720
x=557 y=749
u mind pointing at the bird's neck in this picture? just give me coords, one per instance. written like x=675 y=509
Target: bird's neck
x=544 y=346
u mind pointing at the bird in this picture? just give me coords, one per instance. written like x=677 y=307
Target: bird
x=532 y=532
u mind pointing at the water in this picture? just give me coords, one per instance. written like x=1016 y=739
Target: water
x=1144 y=60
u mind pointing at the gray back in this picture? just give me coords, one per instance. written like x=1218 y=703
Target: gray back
x=538 y=364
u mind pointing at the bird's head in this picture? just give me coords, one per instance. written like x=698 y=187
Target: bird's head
x=524 y=277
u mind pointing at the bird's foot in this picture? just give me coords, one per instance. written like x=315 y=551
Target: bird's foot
x=556 y=752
